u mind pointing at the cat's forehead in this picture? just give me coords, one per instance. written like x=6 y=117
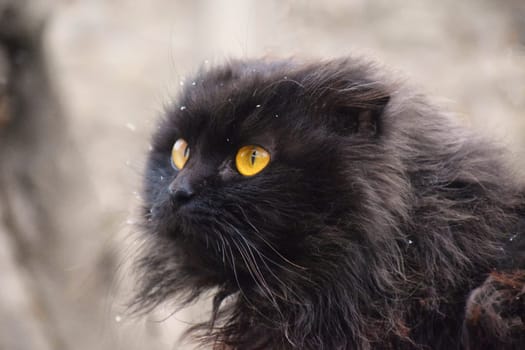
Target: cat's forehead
x=231 y=100
x=247 y=99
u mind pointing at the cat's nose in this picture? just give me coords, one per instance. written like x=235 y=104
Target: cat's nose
x=180 y=192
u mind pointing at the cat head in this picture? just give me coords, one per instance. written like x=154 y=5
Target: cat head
x=263 y=172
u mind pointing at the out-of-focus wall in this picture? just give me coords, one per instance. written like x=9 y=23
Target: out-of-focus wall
x=116 y=62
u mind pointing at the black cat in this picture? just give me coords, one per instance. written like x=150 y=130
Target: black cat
x=329 y=207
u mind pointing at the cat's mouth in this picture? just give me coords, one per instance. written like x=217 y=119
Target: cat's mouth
x=194 y=216
x=187 y=208
x=197 y=209
x=167 y=218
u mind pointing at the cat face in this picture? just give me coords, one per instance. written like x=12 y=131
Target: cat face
x=255 y=164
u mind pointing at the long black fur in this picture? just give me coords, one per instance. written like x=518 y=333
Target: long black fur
x=376 y=219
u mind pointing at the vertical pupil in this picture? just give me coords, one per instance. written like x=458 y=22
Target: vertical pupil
x=186 y=152
x=253 y=156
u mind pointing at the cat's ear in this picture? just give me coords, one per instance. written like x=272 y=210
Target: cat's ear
x=357 y=111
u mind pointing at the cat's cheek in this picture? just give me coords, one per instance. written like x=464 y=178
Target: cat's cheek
x=159 y=209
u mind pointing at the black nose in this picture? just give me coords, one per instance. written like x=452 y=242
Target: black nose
x=180 y=193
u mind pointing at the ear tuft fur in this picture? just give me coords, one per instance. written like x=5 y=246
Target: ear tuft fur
x=363 y=120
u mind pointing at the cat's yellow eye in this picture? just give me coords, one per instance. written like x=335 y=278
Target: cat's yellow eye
x=250 y=160
x=180 y=153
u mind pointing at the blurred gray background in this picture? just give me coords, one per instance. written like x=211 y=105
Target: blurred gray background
x=114 y=64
